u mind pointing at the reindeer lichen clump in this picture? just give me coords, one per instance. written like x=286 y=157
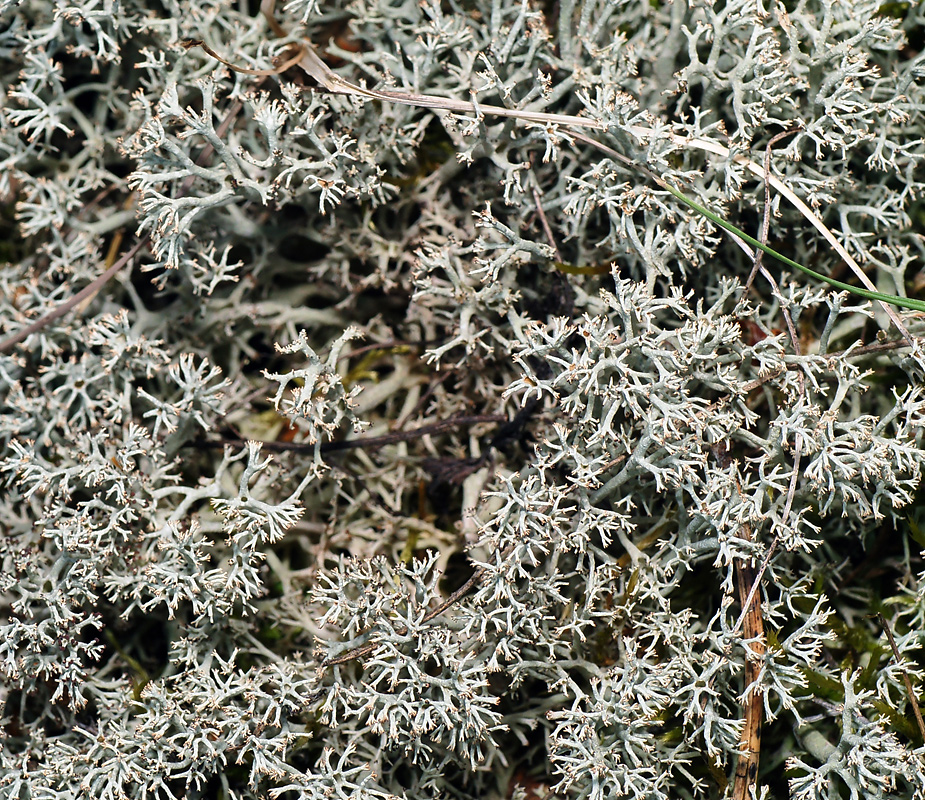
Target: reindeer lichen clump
x=358 y=445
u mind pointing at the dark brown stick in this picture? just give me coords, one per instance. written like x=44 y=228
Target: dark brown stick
x=366 y=649
x=364 y=442
x=90 y=289
x=766 y=219
x=746 y=771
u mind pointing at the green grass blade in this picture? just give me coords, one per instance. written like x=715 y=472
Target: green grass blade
x=902 y=302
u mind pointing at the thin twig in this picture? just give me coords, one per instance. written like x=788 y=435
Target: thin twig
x=542 y=214
x=115 y=245
x=763 y=238
x=92 y=288
x=909 y=691
x=785 y=313
x=88 y=291
x=750 y=741
x=188 y=44
x=419 y=406
x=766 y=219
x=366 y=649
x=791 y=491
x=361 y=442
x=876 y=347
x=389 y=344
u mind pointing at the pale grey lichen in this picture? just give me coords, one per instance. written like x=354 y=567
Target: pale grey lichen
x=180 y=604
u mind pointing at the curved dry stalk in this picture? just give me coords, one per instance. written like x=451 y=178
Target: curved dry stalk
x=364 y=650
x=315 y=67
x=910 y=692
x=91 y=289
